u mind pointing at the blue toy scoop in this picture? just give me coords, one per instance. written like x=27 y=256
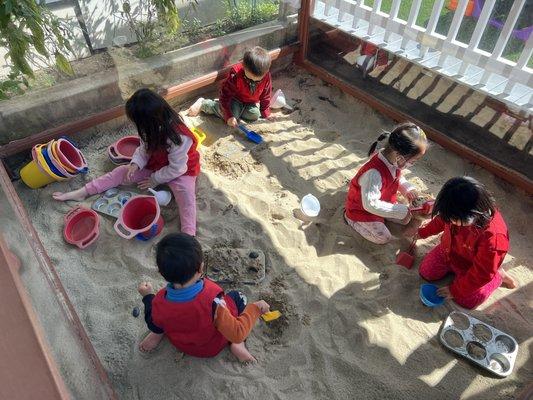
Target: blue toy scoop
x=251 y=135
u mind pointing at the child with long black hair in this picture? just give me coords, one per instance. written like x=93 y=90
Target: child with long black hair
x=372 y=194
x=167 y=155
x=473 y=244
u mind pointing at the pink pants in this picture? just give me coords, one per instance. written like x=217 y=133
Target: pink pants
x=183 y=188
x=435 y=267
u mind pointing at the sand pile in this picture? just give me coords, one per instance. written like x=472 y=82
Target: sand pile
x=352 y=325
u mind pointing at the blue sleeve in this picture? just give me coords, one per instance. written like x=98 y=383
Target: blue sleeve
x=147 y=300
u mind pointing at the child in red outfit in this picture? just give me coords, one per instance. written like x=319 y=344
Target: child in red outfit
x=372 y=193
x=167 y=155
x=247 y=85
x=473 y=245
x=194 y=313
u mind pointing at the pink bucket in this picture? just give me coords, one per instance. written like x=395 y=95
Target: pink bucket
x=70 y=157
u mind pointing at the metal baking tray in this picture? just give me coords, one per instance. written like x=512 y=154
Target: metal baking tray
x=480 y=343
x=112 y=201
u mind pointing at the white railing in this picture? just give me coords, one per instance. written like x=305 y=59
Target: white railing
x=509 y=81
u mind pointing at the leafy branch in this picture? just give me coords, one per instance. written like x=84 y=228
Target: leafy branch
x=26 y=25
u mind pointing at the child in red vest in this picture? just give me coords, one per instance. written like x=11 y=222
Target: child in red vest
x=167 y=155
x=247 y=85
x=194 y=313
x=372 y=194
x=473 y=244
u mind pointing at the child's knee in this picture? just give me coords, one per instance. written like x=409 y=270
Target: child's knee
x=251 y=114
x=423 y=272
x=382 y=238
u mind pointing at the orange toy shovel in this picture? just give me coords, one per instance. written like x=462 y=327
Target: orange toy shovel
x=406 y=258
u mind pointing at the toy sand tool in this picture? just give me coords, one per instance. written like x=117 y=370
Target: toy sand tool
x=425 y=208
x=251 y=135
x=271 y=316
x=406 y=258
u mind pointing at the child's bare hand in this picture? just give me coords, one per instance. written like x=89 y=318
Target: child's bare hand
x=145 y=288
x=264 y=307
x=147 y=183
x=132 y=168
x=444 y=292
x=232 y=122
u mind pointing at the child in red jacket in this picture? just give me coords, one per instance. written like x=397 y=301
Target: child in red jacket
x=247 y=85
x=473 y=245
x=372 y=193
x=192 y=311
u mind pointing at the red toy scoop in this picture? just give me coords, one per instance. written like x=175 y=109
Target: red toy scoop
x=425 y=208
x=406 y=258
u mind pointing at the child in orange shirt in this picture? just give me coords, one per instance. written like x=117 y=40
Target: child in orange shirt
x=194 y=313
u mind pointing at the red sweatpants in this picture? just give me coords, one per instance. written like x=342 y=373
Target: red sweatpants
x=435 y=267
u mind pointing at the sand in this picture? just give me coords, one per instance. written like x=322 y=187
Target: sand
x=352 y=325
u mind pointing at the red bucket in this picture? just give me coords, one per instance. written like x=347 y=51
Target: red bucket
x=70 y=157
x=123 y=149
x=82 y=227
x=140 y=217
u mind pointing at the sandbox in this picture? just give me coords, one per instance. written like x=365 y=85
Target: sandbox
x=352 y=325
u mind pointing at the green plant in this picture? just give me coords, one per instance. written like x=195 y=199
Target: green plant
x=245 y=13
x=24 y=25
x=151 y=22
x=194 y=28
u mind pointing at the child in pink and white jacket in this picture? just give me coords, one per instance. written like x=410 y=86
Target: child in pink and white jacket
x=167 y=155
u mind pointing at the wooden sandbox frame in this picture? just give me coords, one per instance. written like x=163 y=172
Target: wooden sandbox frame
x=56 y=386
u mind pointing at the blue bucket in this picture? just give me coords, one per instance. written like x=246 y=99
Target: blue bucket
x=429 y=296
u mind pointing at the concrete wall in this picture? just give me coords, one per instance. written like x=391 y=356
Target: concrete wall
x=44 y=109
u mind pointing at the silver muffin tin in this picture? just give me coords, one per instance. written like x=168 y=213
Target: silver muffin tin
x=480 y=343
x=112 y=201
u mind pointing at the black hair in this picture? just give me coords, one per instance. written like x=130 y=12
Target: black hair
x=179 y=256
x=154 y=118
x=257 y=61
x=405 y=138
x=464 y=199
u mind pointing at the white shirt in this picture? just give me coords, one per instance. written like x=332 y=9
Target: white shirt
x=178 y=157
x=371 y=184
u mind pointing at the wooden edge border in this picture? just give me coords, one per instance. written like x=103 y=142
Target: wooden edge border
x=12 y=263
x=462 y=150
x=71 y=128
x=53 y=279
x=304 y=16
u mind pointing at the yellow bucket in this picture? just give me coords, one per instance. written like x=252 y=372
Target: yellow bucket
x=32 y=176
x=44 y=165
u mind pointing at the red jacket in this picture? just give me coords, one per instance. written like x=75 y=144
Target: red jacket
x=389 y=188
x=189 y=325
x=237 y=86
x=159 y=158
x=476 y=254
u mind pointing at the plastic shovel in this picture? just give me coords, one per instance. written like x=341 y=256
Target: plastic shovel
x=406 y=258
x=425 y=208
x=251 y=135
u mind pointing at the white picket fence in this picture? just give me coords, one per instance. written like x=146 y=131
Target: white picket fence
x=511 y=82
